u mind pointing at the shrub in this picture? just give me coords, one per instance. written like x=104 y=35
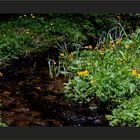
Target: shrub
x=126 y=114
x=110 y=73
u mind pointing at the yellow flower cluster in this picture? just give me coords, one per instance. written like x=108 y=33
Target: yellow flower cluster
x=134 y=72
x=112 y=45
x=88 y=47
x=32 y=16
x=83 y=73
x=26 y=16
x=27 y=31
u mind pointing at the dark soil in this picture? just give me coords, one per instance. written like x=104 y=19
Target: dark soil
x=30 y=98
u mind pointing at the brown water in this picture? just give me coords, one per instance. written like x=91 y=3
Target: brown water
x=30 y=98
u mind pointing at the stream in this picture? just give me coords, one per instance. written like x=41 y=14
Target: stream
x=30 y=98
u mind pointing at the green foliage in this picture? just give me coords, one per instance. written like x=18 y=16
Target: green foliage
x=11 y=45
x=110 y=72
x=54 y=69
x=109 y=75
x=28 y=32
x=126 y=114
x=79 y=90
x=3 y=124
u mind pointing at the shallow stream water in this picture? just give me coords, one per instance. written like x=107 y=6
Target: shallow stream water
x=30 y=98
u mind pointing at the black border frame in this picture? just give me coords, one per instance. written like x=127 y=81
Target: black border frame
x=80 y=133
x=42 y=6
x=98 y=6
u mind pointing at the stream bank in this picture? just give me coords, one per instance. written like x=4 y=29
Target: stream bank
x=30 y=98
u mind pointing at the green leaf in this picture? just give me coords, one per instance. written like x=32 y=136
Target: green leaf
x=132 y=88
x=98 y=20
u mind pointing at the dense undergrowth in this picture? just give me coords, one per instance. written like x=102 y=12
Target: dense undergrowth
x=98 y=53
x=110 y=74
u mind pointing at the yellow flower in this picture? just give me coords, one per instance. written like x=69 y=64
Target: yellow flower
x=138 y=76
x=127 y=46
x=119 y=41
x=112 y=45
x=134 y=72
x=33 y=16
x=139 y=47
x=61 y=54
x=24 y=15
x=1 y=74
x=83 y=73
x=111 y=41
x=88 y=47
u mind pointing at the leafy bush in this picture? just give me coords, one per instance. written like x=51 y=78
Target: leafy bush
x=109 y=75
x=126 y=114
